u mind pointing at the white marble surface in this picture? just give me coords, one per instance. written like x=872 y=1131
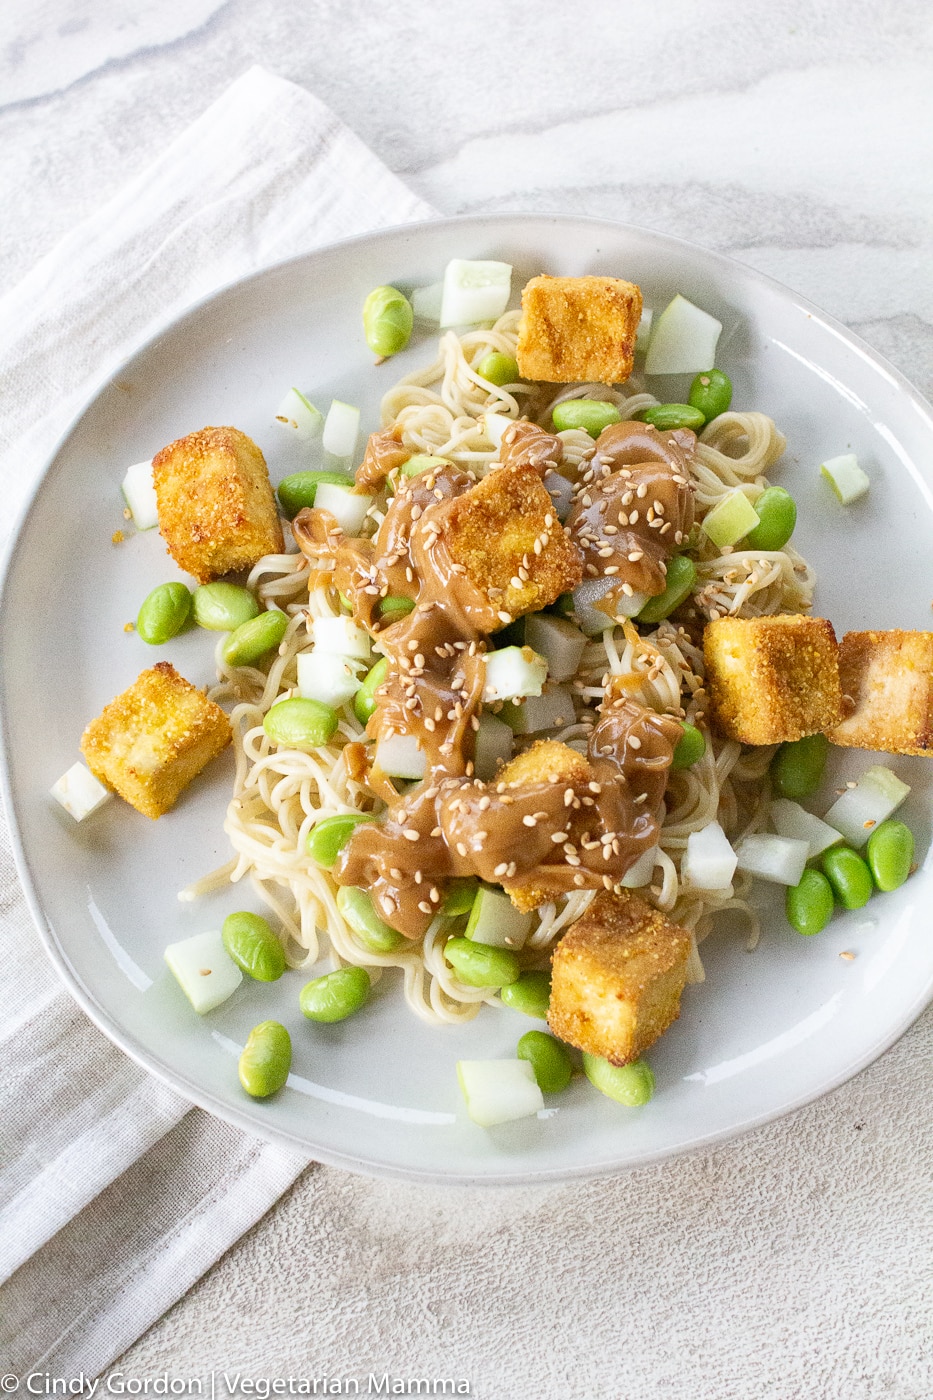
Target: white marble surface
x=796 y=136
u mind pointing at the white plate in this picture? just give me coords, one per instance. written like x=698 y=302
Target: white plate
x=767 y=1032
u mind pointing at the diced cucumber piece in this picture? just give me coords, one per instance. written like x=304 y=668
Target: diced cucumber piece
x=780 y=859
x=494 y=425
x=327 y=677
x=499 y=1091
x=877 y=794
x=683 y=340
x=549 y=710
x=593 y=620
x=709 y=861
x=558 y=641
x=421 y=462
x=560 y=491
x=643 y=332
x=204 y=970
x=790 y=819
x=298 y=417
x=846 y=477
x=341 y=429
x=730 y=519
x=342 y=636
x=79 y=792
x=401 y=756
x=474 y=291
x=494 y=744
x=494 y=920
x=347 y=508
x=426 y=303
x=512 y=673
x=639 y=874
x=140 y=495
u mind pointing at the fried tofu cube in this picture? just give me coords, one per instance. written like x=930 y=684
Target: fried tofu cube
x=153 y=739
x=617 y=978
x=504 y=524
x=888 y=677
x=546 y=761
x=216 y=508
x=576 y=329
x=772 y=679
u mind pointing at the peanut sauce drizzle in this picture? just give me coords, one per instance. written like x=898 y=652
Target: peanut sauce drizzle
x=581 y=827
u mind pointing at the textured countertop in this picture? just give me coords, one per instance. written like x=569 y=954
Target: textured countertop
x=797 y=138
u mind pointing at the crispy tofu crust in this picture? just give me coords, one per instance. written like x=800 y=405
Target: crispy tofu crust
x=539 y=764
x=888 y=678
x=150 y=741
x=216 y=508
x=617 y=978
x=492 y=532
x=578 y=329
x=772 y=679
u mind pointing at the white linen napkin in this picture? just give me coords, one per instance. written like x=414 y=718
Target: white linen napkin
x=267 y=172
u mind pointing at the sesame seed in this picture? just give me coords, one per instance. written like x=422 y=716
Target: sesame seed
x=501 y=868
x=461 y=849
x=411 y=835
x=847 y=956
x=425 y=907
x=505 y=617
x=417 y=511
x=634 y=742
x=628 y=590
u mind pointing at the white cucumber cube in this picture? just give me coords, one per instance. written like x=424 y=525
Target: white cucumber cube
x=327 y=677
x=341 y=429
x=552 y=709
x=639 y=874
x=643 y=332
x=298 y=417
x=499 y=1091
x=875 y=797
x=709 y=861
x=347 y=508
x=204 y=970
x=790 y=819
x=594 y=620
x=342 y=636
x=401 y=756
x=683 y=340
x=780 y=859
x=494 y=744
x=139 y=493
x=560 y=491
x=495 y=921
x=846 y=477
x=512 y=673
x=558 y=641
x=79 y=792
x=426 y=303
x=731 y=519
x=474 y=291
x=494 y=425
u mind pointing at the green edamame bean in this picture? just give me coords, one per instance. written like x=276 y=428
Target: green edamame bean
x=163 y=613
x=387 y=321
x=631 y=1084
x=222 y=607
x=421 y=462
x=797 y=768
x=777 y=516
x=357 y=908
x=691 y=746
x=253 y=946
x=336 y=995
x=479 y=965
x=531 y=994
x=300 y=724
x=809 y=905
x=266 y=1059
x=849 y=876
x=394 y=607
x=681 y=577
x=499 y=369
x=327 y=839
x=364 y=701
x=252 y=640
x=592 y=415
x=674 y=415
x=890 y=854
x=711 y=393
x=297 y=491
x=461 y=893
x=548 y=1058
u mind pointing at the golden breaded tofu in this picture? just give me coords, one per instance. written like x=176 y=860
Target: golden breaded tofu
x=504 y=533
x=617 y=978
x=546 y=761
x=888 y=676
x=772 y=679
x=578 y=329
x=153 y=739
x=216 y=508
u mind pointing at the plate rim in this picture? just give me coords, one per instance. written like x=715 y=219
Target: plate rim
x=181 y=1083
